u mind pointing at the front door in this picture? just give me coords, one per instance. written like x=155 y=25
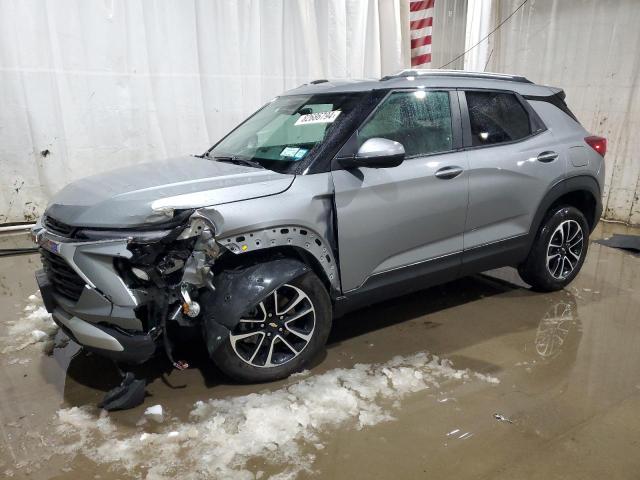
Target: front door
x=392 y=219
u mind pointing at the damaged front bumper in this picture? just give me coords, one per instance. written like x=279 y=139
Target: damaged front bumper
x=88 y=298
x=108 y=341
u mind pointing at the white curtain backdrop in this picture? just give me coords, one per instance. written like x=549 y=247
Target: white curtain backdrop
x=590 y=48
x=478 y=25
x=87 y=86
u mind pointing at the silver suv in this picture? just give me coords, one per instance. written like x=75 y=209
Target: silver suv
x=333 y=196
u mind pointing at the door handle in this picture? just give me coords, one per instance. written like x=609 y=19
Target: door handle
x=447 y=173
x=546 y=157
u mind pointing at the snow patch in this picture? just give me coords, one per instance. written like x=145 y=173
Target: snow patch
x=39 y=336
x=35 y=326
x=486 y=378
x=284 y=428
x=155 y=413
x=19 y=361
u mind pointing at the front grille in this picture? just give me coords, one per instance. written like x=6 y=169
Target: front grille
x=57 y=227
x=65 y=280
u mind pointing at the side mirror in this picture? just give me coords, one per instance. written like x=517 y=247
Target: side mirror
x=376 y=153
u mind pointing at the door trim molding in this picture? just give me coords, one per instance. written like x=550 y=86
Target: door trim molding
x=409 y=265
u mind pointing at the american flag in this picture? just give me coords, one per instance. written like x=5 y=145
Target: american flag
x=421 y=22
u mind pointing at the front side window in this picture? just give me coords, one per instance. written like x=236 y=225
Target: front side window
x=420 y=120
x=496 y=118
x=286 y=130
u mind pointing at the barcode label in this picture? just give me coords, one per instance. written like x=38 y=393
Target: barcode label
x=320 y=117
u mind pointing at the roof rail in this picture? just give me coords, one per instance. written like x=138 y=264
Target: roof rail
x=455 y=73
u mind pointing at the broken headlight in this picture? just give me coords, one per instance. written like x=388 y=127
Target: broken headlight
x=174 y=256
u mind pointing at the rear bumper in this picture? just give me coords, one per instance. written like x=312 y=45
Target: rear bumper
x=87 y=323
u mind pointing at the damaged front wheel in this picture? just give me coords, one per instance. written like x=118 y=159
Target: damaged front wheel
x=280 y=334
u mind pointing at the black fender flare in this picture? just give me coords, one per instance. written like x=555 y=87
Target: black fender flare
x=237 y=291
x=572 y=184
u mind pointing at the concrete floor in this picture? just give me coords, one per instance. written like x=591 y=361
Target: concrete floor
x=568 y=365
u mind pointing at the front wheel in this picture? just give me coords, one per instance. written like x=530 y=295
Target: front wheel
x=279 y=335
x=558 y=251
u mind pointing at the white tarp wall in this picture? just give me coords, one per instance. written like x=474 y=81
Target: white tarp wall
x=590 y=48
x=87 y=86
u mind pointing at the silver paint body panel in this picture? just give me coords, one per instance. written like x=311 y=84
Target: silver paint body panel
x=128 y=197
x=87 y=334
x=393 y=217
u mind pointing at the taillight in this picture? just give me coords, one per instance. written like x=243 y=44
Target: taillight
x=599 y=144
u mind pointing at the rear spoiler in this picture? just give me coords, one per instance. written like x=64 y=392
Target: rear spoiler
x=556 y=97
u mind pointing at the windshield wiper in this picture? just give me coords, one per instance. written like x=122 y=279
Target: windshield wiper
x=240 y=161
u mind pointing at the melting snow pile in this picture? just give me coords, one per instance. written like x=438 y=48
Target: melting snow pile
x=282 y=428
x=35 y=326
x=155 y=413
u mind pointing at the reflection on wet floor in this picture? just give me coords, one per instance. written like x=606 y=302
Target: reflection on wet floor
x=554 y=328
x=568 y=364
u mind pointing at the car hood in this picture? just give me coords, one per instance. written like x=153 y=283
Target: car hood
x=148 y=192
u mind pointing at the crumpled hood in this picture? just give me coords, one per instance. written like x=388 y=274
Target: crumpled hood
x=129 y=196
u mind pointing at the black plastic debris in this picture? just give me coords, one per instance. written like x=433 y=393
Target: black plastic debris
x=129 y=394
x=630 y=243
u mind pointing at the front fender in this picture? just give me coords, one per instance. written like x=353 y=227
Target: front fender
x=237 y=291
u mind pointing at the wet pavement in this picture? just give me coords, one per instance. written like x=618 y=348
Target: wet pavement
x=568 y=397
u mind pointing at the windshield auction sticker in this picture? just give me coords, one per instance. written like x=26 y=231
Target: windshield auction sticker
x=294 y=152
x=289 y=152
x=320 y=117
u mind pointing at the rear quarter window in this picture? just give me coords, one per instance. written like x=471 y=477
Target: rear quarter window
x=556 y=100
x=496 y=117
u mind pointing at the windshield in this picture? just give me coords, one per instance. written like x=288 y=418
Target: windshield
x=286 y=131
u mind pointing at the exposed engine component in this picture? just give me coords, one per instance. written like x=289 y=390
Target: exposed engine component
x=140 y=273
x=189 y=307
x=166 y=272
x=170 y=264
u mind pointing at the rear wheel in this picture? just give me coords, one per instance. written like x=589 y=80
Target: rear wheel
x=279 y=335
x=558 y=251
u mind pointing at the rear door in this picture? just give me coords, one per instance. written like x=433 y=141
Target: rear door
x=390 y=219
x=512 y=164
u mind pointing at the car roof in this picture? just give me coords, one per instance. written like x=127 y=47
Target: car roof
x=435 y=78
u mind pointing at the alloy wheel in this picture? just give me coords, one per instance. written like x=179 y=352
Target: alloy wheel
x=565 y=249
x=276 y=330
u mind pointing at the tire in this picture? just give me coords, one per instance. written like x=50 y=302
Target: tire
x=560 y=229
x=245 y=355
